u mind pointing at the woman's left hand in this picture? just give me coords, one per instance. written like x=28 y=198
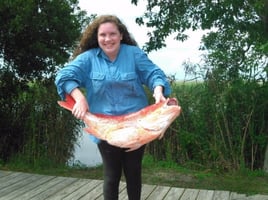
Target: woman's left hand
x=158 y=94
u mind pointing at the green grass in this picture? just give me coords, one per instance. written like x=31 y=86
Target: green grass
x=167 y=174
x=170 y=174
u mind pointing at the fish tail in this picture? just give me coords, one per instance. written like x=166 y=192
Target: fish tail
x=68 y=103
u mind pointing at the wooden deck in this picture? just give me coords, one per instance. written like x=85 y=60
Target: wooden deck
x=25 y=186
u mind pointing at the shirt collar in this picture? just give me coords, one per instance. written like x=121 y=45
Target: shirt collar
x=100 y=53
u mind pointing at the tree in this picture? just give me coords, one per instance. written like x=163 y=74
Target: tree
x=238 y=29
x=36 y=37
x=235 y=69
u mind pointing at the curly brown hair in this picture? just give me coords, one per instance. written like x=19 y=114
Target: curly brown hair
x=89 y=38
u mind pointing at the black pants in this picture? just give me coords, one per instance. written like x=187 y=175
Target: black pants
x=114 y=161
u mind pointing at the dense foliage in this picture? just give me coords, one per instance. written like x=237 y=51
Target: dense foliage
x=36 y=38
x=224 y=119
x=34 y=129
x=221 y=127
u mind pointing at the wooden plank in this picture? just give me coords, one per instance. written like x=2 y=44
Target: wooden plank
x=24 y=186
x=159 y=193
x=258 y=197
x=27 y=188
x=68 y=190
x=221 y=195
x=4 y=173
x=236 y=196
x=99 y=194
x=64 y=181
x=146 y=190
x=205 y=195
x=11 y=179
x=82 y=193
x=15 y=187
x=123 y=195
x=174 y=194
x=94 y=194
x=123 y=191
x=51 y=182
x=189 y=194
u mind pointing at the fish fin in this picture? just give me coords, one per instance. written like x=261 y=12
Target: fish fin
x=134 y=148
x=68 y=103
x=161 y=135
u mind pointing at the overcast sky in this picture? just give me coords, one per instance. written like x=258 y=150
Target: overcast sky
x=170 y=59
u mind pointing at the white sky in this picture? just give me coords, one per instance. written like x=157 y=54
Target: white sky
x=170 y=58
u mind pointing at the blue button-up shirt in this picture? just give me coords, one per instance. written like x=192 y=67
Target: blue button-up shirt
x=112 y=88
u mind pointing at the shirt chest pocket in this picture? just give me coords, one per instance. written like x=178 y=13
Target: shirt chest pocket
x=97 y=82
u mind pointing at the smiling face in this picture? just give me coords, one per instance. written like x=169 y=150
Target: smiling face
x=109 y=39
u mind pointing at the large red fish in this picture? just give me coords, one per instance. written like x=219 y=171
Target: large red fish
x=132 y=130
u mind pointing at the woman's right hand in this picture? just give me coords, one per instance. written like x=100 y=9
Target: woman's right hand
x=81 y=106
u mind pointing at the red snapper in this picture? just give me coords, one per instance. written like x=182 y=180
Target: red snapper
x=132 y=130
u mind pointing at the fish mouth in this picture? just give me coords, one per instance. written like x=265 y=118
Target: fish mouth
x=172 y=102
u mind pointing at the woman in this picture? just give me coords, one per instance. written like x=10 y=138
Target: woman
x=113 y=70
